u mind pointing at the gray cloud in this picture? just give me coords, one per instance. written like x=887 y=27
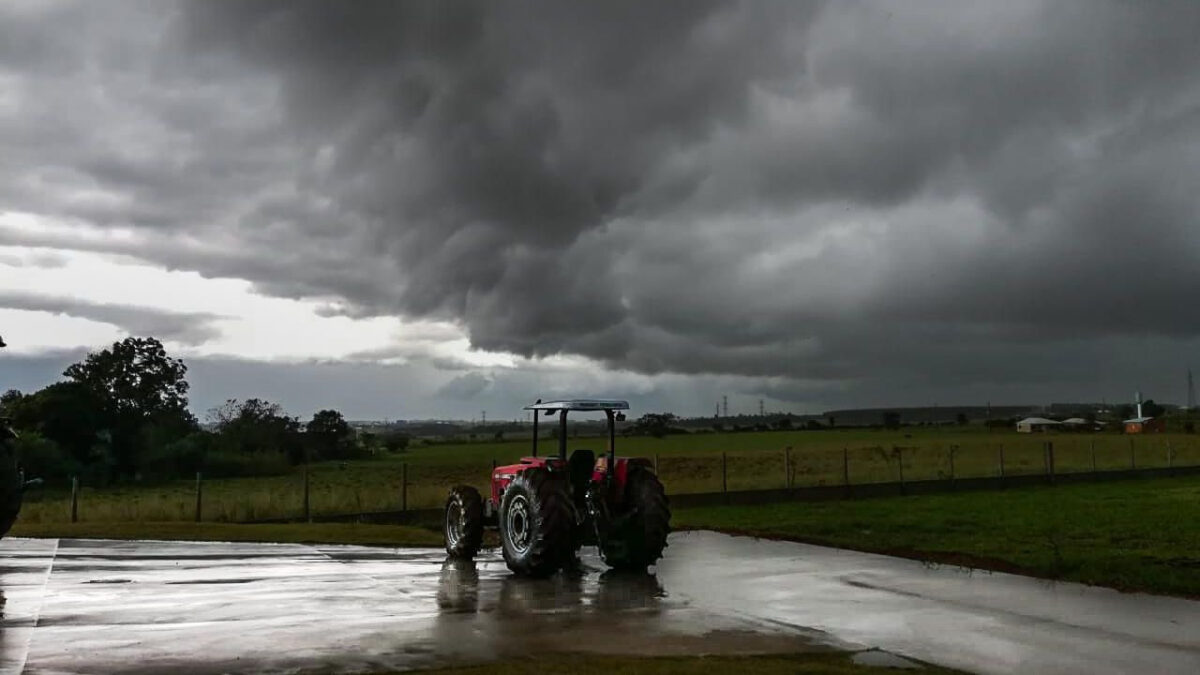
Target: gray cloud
x=189 y=328
x=831 y=199
x=466 y=385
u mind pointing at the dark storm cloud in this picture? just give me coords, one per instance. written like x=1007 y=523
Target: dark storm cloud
x=847 y=195
x=187 y=328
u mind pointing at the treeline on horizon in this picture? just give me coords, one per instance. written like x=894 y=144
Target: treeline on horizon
x=122 y=414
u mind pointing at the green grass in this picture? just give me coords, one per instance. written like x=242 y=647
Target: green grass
x=798 y=664
x=687 y=464
x=1132 y=535
x=307 y=533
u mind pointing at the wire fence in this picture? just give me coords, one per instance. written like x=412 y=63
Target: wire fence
x=386 y=486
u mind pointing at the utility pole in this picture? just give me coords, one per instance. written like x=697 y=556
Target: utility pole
x=725 y=405
x=717 y=412
x=483 y=417
x=761 y=413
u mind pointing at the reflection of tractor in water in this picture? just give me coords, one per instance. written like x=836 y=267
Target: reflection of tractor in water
x=460 y=592
x=546 y=508
x=12 y=483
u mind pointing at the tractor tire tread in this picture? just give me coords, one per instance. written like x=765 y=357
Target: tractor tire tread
x=643 y=540
x=553 y=524
x=471 y=503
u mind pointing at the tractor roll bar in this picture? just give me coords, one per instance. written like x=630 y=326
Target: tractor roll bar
x=608 y=406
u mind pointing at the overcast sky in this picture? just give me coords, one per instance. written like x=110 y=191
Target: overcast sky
x=430 y=209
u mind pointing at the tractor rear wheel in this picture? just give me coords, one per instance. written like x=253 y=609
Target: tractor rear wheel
x=639 y=540
x=11 y=487
x=463 y=525
x=536 y=523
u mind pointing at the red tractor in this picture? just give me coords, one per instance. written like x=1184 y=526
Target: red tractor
x=546 y=508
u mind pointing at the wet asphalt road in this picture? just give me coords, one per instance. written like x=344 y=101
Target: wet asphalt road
x=102 y=606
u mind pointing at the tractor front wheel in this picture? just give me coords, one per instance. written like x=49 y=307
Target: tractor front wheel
x=463 y=526
x=536 y=523
x=640 y=535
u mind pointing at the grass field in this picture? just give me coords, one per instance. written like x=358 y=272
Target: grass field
x=1134 y=535
x=687 y=464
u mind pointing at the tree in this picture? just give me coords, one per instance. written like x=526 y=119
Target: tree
x=68 y=414
x=395 y=441
x=137 y=384
x=1152 y=409
x=330 y=436
x=891 y=420
x=961 y=419
x=256 y=426
x=9 y=401
x=135 y=376
x=328 y=423
x=654 y=424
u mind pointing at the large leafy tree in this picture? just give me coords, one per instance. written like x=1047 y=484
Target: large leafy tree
x=135 y=377
x=140 y=388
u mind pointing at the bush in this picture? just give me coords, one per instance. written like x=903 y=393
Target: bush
x=178 y=459
x=45 y=459
x=394 y=441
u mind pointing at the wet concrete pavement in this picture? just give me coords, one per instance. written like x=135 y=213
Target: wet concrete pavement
x=102 y=606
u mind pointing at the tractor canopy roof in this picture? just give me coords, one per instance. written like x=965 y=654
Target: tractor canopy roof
x=596 y=404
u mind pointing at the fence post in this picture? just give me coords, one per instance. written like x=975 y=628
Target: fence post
x=952 y=449
x=1002 y=460
x=1050 y=460
x=404 y=486
x=900 y=466
x=74 y=499
x=656 y=464
x=846 y=467
x=198 y=496
x=724 y=474
x=1170 y=462
x=1093 y=455
x=307 y=509
x=787 y=468
x=1132 y=456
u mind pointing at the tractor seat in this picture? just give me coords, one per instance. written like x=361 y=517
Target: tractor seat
x=579 y=469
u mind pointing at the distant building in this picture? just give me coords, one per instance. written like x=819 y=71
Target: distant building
x=1031 y=425
x=1144 y=425
x=1079 y=424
